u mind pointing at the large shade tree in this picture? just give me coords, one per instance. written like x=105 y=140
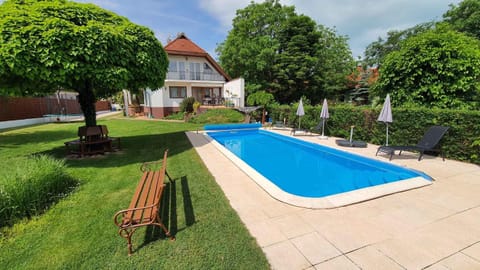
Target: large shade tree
x=438 y=68
x=377 y=50
x=284 y=53
x=57 y=44
x=465 y=17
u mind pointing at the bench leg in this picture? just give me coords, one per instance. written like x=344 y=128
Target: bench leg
x=127 y=233
x=160 y=224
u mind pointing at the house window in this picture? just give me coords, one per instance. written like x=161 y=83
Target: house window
x=172 y=66
x=207 y=68
x=194 y=71
x=177 y=91
x=181 y=70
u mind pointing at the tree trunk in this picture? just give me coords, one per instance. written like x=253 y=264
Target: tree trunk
x=86 y=98
x=263 y=115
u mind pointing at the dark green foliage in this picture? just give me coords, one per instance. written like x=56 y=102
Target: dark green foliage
x=263 y=99
x=283 y=53
x=437 y=68
x=58 y=44
x=30 y=185
x=187 y=105
x=376 y=51
x=218 y=116
x=465 y=17
x=175 y=116
x=460 y=143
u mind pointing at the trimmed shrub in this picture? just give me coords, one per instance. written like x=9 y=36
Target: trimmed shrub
x=30 y=185
x=409 y=124
x=187 y=104
x=218 y=116
x=175 y=116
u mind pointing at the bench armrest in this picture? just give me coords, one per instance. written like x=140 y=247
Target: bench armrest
x=121 y=213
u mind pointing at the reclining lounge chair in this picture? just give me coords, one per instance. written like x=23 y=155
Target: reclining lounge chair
x=429 y=143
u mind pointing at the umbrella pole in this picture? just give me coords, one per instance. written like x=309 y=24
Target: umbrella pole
x=351 y=134
x=387 y=135
x=323 y=126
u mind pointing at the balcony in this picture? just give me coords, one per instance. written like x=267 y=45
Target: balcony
x=194 y=76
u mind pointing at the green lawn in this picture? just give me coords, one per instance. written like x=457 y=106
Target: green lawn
x=78 y=232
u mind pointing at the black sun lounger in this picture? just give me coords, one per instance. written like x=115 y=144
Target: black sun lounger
x=429 y=142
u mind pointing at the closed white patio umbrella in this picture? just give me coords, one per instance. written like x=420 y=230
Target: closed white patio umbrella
x=324 y=115
x=386 y=114
x=300 y=112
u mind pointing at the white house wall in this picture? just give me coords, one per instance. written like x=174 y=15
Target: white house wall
x=157 y=102
x=235 y=89
x=192 y=59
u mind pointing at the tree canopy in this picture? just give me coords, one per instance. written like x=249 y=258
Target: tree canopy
x=261 y=98
x=377 y=50
x=58 y=44
x=438 y=68
x=465 y=17
x=285 y=54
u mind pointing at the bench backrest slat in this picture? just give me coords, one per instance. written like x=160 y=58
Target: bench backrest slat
x=148 y=192
x=157 y=189
x=143 y=200
x=93 y=133
x=136 y=196
x=151 y=199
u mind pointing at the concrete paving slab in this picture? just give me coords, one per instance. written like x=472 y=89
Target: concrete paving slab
x=315 y=248
x=460 y=261
x=371 y=258
x=285 y=256
x=473 y=251
x=292 y=225
x=340 y=262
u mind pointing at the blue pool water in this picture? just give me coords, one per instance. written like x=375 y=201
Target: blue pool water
x=307 y=169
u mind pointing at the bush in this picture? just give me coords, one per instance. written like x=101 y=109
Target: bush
x=187 y=104
x=409 y=124
x=175 y=116
x=28 y=186
x=218 y=116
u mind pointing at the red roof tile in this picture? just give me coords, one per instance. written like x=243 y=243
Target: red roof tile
x=184 y=46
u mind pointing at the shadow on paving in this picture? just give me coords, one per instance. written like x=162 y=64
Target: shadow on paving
x=169 y=212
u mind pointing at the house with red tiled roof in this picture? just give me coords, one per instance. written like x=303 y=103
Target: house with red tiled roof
x=192 y=72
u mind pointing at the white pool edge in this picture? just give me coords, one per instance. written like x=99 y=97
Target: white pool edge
x=332 y=201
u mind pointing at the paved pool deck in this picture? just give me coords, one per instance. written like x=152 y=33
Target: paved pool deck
x=432 y=227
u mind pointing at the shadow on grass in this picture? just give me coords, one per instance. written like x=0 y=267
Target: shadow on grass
x=169 y=212
x=135 y=149
x=21 y=138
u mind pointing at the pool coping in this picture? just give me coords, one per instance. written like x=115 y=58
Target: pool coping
x=327 y=202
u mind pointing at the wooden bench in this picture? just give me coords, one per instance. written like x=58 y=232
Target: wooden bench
x=92 y=140
x=105 y=136
x=145 y=205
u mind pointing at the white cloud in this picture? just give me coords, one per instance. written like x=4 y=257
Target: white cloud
x=362 y=21
x=224 y=10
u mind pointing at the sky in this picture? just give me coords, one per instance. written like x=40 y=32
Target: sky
x=207 y=22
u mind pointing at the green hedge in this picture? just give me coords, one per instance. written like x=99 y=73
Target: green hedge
x=462 y=142
x=218 y=116
x=29 y=185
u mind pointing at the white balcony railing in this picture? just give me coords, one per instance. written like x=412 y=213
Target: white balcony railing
x=194 y=76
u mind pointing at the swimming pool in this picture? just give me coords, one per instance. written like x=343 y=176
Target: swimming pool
x=312 y=175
